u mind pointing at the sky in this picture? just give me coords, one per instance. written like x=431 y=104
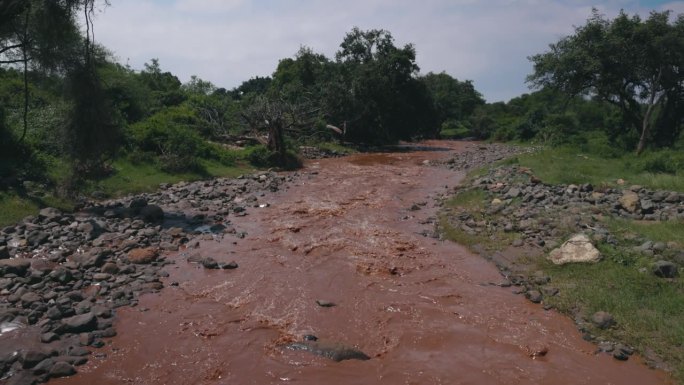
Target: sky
x=230 y=41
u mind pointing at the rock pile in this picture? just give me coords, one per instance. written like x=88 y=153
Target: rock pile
x=541 y=214
x=64 y=274
x=478 y=155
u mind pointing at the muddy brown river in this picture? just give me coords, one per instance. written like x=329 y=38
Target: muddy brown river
x=421 y=309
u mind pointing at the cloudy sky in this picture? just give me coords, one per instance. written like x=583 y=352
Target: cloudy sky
x=229 y=41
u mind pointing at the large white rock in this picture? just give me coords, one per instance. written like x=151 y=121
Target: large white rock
x=576 y=249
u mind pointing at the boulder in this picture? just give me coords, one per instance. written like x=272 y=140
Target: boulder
x=79 y=323
x=629 y=201
x=62 y=369
x=17 y=266
x=152 y=213
x=665 y=269
x=576 y=249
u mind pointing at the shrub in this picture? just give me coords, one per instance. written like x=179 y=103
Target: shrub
x=171 y=136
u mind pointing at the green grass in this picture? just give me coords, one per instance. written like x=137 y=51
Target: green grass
x=14 y=207
x=568 y=165
x=648 y=310
x=654 y=231
x=472 y=201
x=454 y=133
x=339 y=148
x=130 y=178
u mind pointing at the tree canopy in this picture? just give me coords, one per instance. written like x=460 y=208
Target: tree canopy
x=636 y=65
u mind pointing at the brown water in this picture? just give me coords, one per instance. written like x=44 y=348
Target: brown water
x=420 y=308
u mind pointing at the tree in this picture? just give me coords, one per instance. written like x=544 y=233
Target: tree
x=376 y=93
x=635 y=65
x=453 y=100
x=276 y=116
x=43 y=34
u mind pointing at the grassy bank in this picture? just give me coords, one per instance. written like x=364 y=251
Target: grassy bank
x=575 y=165
x=648 y=310
x=126 y=178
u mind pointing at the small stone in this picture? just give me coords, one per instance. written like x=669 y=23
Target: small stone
x=143 y=256
x=109 y=268
x=229 y=265
x=518 y=242
x=101 y=276
x=48 y=337
x=659 y=246
x=79 y=351
x=209 y=263
x=324 y=303
x=4 y=253
x=602 y=320
x=534 y=296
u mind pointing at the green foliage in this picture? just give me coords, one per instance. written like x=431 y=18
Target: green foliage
x=92 y=131
x=454 y=101
x=262 y=157
x=647 y=309
x=172 y=137
x=636 y=65
x=131 y=98
x=592 y=163
x=165 y=87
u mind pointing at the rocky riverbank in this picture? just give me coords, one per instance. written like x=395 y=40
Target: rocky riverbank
x=63 y=275
x=518 y=216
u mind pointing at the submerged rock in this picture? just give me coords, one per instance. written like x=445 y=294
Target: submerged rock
x=334 y=352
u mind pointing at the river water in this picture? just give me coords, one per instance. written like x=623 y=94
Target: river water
x=423 y=310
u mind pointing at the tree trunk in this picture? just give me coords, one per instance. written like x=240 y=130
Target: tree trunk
x=646 y=122
x=276 y=140
x=25 y=57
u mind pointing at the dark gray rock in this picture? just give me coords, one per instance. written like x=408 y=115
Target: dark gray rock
x=228 y=266
x=79 y=323
x=209 y=263
x=31 y=358
x=665 y=269
x=152 y=213
x=324 y=303
x=334 y=352
x=43 y=366
x=62 y=369
x=17 y=266
x=534 y=296
x=48 y=337
x=4 y=253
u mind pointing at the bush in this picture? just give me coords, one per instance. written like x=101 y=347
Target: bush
x=664 y=161
x=171 y=136
x=260 y=156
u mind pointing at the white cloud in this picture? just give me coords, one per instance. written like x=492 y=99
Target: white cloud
x=229 y=41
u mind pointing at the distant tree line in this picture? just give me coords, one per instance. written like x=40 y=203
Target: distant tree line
x=66 y=100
